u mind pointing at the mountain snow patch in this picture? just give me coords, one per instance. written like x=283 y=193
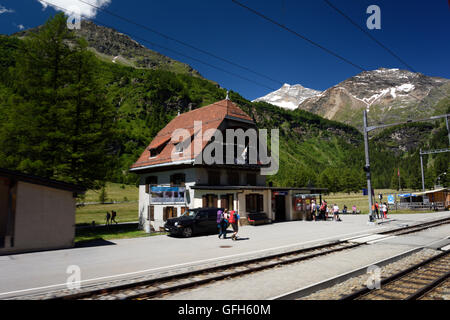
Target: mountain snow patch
x=289 y=97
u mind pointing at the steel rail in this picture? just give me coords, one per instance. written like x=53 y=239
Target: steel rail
x=365 y=291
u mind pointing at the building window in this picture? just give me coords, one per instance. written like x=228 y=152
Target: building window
x=254 y=203
x=210 y=201
x=251 y=179
x=214 y=178
x=169 y=213
x=151 y=213
x=226 y=201
x=178 y=179
x=233 y=178
x=150 y=181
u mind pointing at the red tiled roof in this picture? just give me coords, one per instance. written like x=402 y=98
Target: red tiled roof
x=211 y=117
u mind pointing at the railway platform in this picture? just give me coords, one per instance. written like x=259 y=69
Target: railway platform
x=123 y=260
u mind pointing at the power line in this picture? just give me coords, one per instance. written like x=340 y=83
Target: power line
x=299 y=35
x=375 y=40
x=168 y=49
x=369 y=35
x=310 y=41
x=179 y=41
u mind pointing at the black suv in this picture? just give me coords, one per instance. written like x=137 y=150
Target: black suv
x=194 y=221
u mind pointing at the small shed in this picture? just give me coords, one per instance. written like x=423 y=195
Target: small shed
x=439 y=197
x=36 y=213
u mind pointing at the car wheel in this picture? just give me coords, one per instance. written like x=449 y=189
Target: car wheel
x=187 y=232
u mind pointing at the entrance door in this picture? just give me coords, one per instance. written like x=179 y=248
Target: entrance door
x=280 y=208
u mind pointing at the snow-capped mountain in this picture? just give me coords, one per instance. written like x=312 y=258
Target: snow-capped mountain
x=390 y=95
x=289 y=97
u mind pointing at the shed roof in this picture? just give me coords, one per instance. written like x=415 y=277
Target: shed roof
x=25 y=177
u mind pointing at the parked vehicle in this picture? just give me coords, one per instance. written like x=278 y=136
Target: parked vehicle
x=194 y=221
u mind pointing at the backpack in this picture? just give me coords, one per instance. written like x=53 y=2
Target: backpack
x=232 y=217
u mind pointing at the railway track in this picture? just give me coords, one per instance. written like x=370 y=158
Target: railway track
x=153 y=288
x=411 y=284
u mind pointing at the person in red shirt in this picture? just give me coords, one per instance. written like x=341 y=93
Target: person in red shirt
x=234 y=221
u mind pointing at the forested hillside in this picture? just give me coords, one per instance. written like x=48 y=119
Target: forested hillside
x=68 y=115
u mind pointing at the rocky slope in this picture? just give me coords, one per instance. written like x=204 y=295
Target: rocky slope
x=390 y=95
x=113 y=46
x=289 y=97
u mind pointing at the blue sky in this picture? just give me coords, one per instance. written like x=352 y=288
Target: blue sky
x=417 y=31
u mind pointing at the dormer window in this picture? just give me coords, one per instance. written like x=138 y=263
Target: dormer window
x=153 y=153
x=179 y=148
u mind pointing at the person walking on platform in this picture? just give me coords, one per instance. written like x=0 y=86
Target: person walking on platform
x=219 y=221
x=234 y=221
x=108 y=217
x=384 y=209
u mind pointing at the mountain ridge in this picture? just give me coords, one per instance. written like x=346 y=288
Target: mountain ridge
x=390 y=95
x=113 y=46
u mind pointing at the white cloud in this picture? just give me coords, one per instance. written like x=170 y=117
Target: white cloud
x=75 y=6
x=4 y=10
x=20 y=26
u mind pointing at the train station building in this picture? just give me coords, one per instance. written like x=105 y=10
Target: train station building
x=168 y=186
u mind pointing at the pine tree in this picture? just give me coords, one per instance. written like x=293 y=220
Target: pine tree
x=59 y=124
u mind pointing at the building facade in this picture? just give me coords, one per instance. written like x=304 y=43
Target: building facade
x=169 y=187
x=35 y=213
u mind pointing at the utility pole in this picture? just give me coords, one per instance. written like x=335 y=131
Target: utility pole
x=367 y=129
x=421 y=168
x=367 y=167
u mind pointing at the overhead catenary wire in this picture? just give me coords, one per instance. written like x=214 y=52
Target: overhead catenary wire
x=180 y=41
x=408 y=66
x=369 y=35
x=312 y=42
x=166 y=48
x=300 y=36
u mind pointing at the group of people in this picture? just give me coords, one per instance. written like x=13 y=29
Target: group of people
x=322 y=211
x=380 y=210
x=111 y=217
x=224 y=220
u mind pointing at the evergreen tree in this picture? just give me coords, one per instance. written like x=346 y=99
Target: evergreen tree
x=59 y=124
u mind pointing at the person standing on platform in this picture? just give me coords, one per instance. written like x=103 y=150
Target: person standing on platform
x=377 y=210
x=313 y=210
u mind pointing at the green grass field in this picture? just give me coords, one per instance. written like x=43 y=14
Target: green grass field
x=114 y=192
x=126 y=212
